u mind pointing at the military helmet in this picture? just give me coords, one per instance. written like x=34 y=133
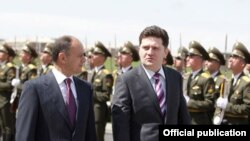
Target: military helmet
x=129 y=48
x=240 y=50
x=99 y=48
x=30 y=48
x=197 y=49
x=216 y=55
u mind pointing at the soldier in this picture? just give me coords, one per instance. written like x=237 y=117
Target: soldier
x=46 y=59
x=27 y=70
x=102 y=81
x=200 y=86
x=237 y=104
x=180 y=60
x=127 y=54
x=213 y=66
x=7 y=73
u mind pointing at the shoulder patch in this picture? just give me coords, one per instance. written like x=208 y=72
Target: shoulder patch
x=206 y=75
x=9 y=64
x=106 y=71
x=246 y=78
x=31 y=66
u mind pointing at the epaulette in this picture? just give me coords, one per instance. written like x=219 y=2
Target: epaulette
x=205 y=74
x=106 y=71
x=51 y=66
x=31 y=66
x=222 y=76
x=246 y=78
x=9 y=64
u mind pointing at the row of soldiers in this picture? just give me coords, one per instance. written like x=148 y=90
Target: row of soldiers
x=212 y=96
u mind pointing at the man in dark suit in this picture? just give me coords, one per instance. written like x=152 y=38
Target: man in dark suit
x=58 y=106
x=150 y=94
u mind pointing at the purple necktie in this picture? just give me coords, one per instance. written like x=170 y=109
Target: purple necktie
x=160 y=93
x=70 y=103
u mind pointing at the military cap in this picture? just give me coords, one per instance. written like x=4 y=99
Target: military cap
x=197 y=49
x=129 y=48
x=182 y=53
x=215 y=54
x=48 y=48
x=169 y=59
x=29 y=48
x=99 y=48
x=89 y=52
x=7 y=49
x=240 y=50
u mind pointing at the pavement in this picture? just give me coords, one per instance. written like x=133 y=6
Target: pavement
x=108 y=134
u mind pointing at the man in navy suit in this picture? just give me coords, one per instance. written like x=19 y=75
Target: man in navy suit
x=44 y=104
x=149 y=95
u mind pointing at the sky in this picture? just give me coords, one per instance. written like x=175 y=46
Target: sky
x=114 y=22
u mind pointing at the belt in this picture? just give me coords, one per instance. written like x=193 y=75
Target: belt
x=196 y=110
x=236 y=116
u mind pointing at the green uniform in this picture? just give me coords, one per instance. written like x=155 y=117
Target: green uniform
x=200 y=89
x=45 y=70
x=238 y=108
x=102 y=84
x=7 y=118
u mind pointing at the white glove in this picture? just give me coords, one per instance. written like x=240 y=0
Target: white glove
x=15 y=82
x=222 y=102
x=187 y=98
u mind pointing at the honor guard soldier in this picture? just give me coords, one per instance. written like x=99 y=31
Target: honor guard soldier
x=102 y=81
x=237 y=104
x=180 y=60
x=200 y=86
x=27 y=70
x=216 y=60
x=7 y=73
x=127 y=54
x=46 y=59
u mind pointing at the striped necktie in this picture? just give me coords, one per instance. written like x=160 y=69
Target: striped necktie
x=160 y=93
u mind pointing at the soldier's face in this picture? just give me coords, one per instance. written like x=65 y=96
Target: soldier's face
x=236 y=64
x=125 y=60
x=152 y=52
x=3 y=56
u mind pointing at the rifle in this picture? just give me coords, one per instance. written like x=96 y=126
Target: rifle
x=14 y=96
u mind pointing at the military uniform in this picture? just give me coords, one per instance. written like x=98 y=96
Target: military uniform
x=45 y=68
x=181 y=56
x=83 y=74
x=200 y=90
x=237 y=109
x=26 y=72
x=7 y=119
x=102 y=81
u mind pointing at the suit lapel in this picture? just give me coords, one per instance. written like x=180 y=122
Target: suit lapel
x=52 y=88
x=147 y=87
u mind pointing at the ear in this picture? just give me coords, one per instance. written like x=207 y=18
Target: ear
x=166 y=51
x=62 y=57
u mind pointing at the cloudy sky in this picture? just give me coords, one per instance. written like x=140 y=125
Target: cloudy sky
x=114 y=21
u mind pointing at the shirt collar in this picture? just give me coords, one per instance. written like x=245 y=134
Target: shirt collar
x=150 y=73
x=60 y=77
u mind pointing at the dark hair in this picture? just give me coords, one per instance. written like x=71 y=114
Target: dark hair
x=155 y=31
x=62 y=44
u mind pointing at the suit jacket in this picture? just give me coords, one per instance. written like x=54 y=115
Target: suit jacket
x=42 y=114
x=135 y=109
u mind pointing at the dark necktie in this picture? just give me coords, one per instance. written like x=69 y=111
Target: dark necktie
x=70 y=103
x=160 y=93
